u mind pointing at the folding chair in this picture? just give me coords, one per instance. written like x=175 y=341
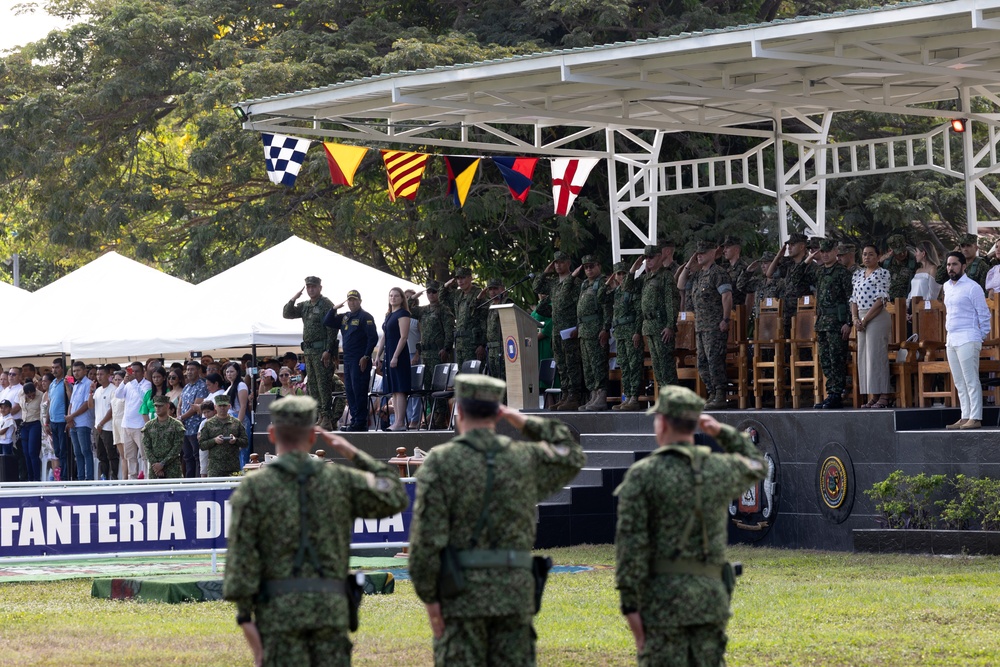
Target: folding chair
x=547 y=376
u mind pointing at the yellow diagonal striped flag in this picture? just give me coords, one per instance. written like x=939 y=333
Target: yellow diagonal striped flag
x=404 y=171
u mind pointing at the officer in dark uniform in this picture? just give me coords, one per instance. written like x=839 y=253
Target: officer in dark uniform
x=360 y=335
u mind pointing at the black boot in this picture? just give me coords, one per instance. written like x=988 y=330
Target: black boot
x=832 y=402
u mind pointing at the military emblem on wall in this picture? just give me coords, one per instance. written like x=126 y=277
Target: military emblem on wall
x=752 y=514
x=835 y=483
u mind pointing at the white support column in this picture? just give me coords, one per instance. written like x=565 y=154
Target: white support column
x=779 y=179
x=807 y=174
x=969 y=168
x=636 y=190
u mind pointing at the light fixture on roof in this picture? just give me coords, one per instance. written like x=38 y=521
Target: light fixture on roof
x=241 y=114
x=958 y=124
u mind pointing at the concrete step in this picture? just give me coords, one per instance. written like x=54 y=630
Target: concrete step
x=562 y=496
x=588 y=477
x=610 y=459
x=623 y=442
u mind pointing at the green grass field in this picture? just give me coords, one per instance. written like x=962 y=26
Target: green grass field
x=791 y=608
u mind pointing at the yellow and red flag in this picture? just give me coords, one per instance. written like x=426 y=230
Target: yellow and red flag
x=404 y=171
x=344 y=161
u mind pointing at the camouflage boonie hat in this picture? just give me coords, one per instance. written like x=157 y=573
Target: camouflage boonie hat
x=293 y=411
x=846 y=248
x=677 y=402
x=354 y=294
x=651 y=251
x=705 y=246
x=463 y=272
x=967 y=239
x=222 y=399
x=826 y=245
x=479 y=388
x=560 y=256
x=313 y=280
x=731 y=240
x=160 y=399
x=494 y=283
x=621 y=267
x=896 y=242
x=797 y=238
x=590 y=259
x=432 y=286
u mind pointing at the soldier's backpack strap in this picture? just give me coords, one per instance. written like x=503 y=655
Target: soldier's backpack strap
x=696 y=457
x=484 y=515
x=302 y=470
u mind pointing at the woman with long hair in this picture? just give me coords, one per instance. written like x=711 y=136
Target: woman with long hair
x=287 y=387
x=239 y=405
x=175 y=386
x=158 y=380
x=872 y=321
x=396 y=364
x=923 y=283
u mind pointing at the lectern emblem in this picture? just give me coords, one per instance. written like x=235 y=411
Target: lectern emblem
x=510 y=348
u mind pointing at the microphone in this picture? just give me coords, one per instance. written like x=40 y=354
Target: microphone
x=522 y=280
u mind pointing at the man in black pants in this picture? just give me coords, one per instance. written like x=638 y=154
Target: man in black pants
x=359 y=334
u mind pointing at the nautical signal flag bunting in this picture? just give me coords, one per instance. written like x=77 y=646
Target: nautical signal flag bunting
x=461 y=172
x=404 y=171
x=343 y=161
x=284 y=156
x=568 y=177
x=517 y=172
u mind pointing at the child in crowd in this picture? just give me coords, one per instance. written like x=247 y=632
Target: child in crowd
x=207 y=412
x=6 y=429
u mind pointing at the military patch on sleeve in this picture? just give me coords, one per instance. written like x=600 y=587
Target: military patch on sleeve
x=380 y=484
x=750 y=463
x=553 y=451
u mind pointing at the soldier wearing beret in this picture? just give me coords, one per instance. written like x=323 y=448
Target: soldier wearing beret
x=289 y=540
x=475 y=507
x=975 y=267
x=712 y=299
x=593 y=312
x=470 y=317
x=798 y=276
x=162 y=440
x=360 y=335
x=658 y=305
x=222 y=436
x=495 y=364
x=833 y=323
x=901 y=265
x=563 y=288
x=626 y=328
x=437 y=329
x=319 y=345
x=673 y=508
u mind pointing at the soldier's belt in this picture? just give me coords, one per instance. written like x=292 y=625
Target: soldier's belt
x=587 y=319
x=313 y=346
x=462 y=333
x=493 y=346
x=482 y=558
x=623 y=320
x=273 y=587
x=691 y=567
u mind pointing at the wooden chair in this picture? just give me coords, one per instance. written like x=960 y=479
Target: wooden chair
x=928 y=323
x=989 y=356
x=686 y=352
x=904 y=371
x=737 y=362
x=805 y=372
x=769 y=354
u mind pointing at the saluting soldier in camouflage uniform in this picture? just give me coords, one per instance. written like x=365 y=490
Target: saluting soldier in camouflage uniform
x=625 y=326
x=437 y=329
x=564 y=291
x=901 y=265
x=833 y=323
x=673 y=509
x=658 y=303
x=222 y=436
x=286 y=563
x=162 y=440
x=593 y=312
x=470 y=319
x=798 y=276
x=975 y=267
x=319 y=345
x=712 y=299
x=736 y=265
x=476 y=498
x=494 y=336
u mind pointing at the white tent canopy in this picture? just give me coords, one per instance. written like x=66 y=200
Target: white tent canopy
x=12 y=296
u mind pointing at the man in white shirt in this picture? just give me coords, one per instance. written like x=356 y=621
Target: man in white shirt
x=967 y=322
x=100 y=403
x=133 y=392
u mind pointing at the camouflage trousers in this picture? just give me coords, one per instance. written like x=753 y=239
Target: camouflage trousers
x=686 y=646
x=662 y=356
x=477 y=642
x=319 y=384
x=464 y=350
x=629 y=361
x=712 y=359
x=326 y=647
x=594 y=358
x=568 y=364
x=495 y=361
x=833 y=354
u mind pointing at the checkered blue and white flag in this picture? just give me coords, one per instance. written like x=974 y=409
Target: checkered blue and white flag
x=284 y=156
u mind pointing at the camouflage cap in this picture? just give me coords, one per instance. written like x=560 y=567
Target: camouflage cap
x=313 y=280
x=667 y=243
x=432 y=286
x=826 y=245
x=706 y=246
x=797 y=238
x=677 y=402
x=651 y=251
x=621 y=267
x=161 y=399
x=494 y=283
x=731 y=240
x=469 y=386
x=813 y=242
x=896 y=242
x=560 y=256
x=463 y=272
x=294 y=411
x=767 y=257
x=222 y=399
x=967 y=239
x=590 y=259
x=846 y=248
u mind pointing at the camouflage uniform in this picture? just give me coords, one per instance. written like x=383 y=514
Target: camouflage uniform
x=316 y=339
x=625 y=324
x=736 y=272
x=306 y=626
x=470 y=321
x=976 y=269
x=901 y=272
x=162 y=443
x=489 y=622
x=669 y=523
x=224 y=459
x=494 y=337
x=833 y=293
x=593 y=312
x=437 y=333
x=564 y=294
x=798 y=280
x=707 y=288
x=658 y=310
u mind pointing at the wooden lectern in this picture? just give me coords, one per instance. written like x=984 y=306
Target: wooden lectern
x=520 y=353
